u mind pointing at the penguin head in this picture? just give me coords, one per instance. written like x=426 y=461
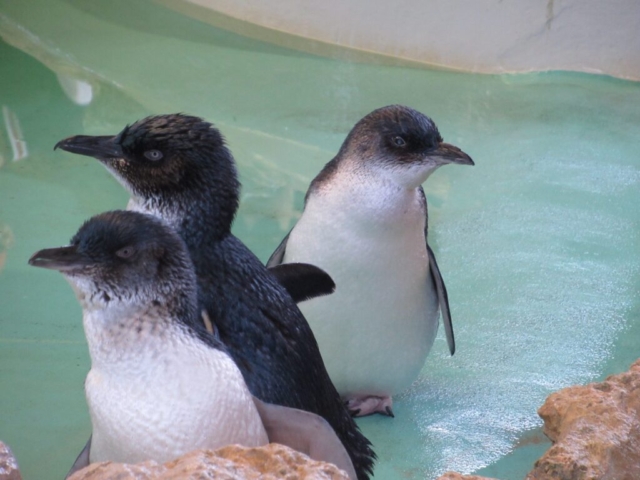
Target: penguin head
x=401 y=143
x=167 y=157
x=125 y=257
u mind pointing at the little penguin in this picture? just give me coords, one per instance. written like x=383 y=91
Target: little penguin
x=178 y=168
x=365 y=223
x=159 y=386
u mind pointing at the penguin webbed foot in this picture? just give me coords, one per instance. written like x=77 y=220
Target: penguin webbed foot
x=362 y=406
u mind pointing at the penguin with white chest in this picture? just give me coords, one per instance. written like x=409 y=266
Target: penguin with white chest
x=178 y=168
x=365 y=224
x=159 y=384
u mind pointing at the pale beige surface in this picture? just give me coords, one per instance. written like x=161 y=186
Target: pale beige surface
x=489 y=36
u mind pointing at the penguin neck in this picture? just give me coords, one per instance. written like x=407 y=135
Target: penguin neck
x=124 y=328
x=200 y=214
x=125 y=334
x=368 y=202
x=408 y=176
x=369 y=191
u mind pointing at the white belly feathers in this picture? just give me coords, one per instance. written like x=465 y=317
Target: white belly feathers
x=160 y=404
x=376 y=330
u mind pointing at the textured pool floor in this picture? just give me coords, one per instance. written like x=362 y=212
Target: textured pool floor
x=538 y=243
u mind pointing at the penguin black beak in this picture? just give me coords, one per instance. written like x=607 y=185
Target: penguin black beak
x=447 y=153
x=100 y=147
x=62 y=259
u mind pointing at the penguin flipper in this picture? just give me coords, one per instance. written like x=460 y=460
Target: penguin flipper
x=305 y=432
x=443 y=299
x=278 y=255
x=438 y=282
x=82 y=460
x=303 y=281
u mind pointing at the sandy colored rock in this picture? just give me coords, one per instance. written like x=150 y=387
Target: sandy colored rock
x=595 y=429
x=459 y=476
x=8 y=464
x=271 y=462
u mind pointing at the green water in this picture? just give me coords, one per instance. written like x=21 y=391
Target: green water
x=538 y=242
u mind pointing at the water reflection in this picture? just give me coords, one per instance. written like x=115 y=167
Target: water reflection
x=18 y=144
x=6 y=242
x=79 y=91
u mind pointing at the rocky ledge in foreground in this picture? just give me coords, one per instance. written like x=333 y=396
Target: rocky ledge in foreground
x=8 y=464
x=595 y=430
x=270 y=462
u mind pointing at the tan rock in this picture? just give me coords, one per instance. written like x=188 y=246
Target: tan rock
x=595 y=429
x=8 y=464
x=459 y=476
x=271 y=462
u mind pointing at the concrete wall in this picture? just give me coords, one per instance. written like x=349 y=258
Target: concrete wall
x=472 y=35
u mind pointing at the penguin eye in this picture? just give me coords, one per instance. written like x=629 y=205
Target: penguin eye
x=125 y=252
x=153 y=155
x=399 y=141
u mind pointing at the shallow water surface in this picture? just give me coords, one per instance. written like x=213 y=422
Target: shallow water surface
x=538 y=243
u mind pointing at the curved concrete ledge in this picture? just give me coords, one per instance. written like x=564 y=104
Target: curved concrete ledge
x=486 y=36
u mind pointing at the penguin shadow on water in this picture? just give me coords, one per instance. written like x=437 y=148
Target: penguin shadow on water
x=160 y=385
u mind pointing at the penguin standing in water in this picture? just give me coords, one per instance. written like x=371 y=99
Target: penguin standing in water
x=177 y=167
x=365 y=223
x=159 y=386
